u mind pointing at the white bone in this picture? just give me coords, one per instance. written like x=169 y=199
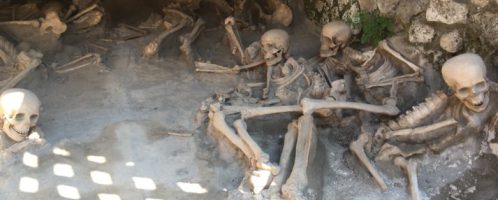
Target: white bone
x=189 y=38
x=410 y=168
x=297 y=182
x=357 y=147
x=86 y=60
x=310 y=105
x=219 y=123
x=152 y=47
x=233 y=37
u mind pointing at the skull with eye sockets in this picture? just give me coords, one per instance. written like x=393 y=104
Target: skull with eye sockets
x=465 y=74
x=20 y=110
x=275 y=46
x=335 y=36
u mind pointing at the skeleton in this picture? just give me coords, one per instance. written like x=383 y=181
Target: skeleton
x=440 y=121
x=20 y=111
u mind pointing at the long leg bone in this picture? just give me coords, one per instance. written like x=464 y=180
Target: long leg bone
x=219 y=123
x=151 y=49
x=357 y=147
x=310 y=105
x=234 y=39
x=262 y=159
x=189 y=38
x=285 y=157
x=296 y=184
x=410 y=168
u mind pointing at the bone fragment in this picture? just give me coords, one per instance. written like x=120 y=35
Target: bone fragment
x=310 y=105
x=233 y=36
x=357 y=147
x=180 y=134
x=410 y=168
x=84 y=61
x=152 y=48
x=34 y=23
x=81 y=13
x=259 y=155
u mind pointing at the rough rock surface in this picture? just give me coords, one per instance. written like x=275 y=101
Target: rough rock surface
x=421 y=33
x=451 y=41
x=387 y=6
x=487 y=23
x=446 y=11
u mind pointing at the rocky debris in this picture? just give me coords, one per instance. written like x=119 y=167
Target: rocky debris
x=421 y=33
x=480 y=3
x=407 y=9
x=368 y=5
x=487 y=23
x=451 y=41
x=387 y=6
x=446 y=11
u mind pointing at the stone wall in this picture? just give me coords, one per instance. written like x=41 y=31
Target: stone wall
x=442 y=28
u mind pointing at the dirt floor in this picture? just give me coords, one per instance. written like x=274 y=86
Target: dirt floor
x=107 y=134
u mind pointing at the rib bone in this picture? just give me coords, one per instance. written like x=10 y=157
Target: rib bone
x=410 y=168
x=357 y=147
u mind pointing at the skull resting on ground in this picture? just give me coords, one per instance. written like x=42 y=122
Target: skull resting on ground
x=465 y=74
x=275 y=46
x=335 y=35
x=20 y=110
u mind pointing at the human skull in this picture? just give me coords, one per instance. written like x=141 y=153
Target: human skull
x=20 y=110
x=335 y=36
x=465 y=74
x=275 y=45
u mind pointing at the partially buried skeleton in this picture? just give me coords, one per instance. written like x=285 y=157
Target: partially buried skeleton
x=439 y=122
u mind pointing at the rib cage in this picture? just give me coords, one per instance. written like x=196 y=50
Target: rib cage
x=421 y=113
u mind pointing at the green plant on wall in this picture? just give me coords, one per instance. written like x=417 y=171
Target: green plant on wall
x=374 y=26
